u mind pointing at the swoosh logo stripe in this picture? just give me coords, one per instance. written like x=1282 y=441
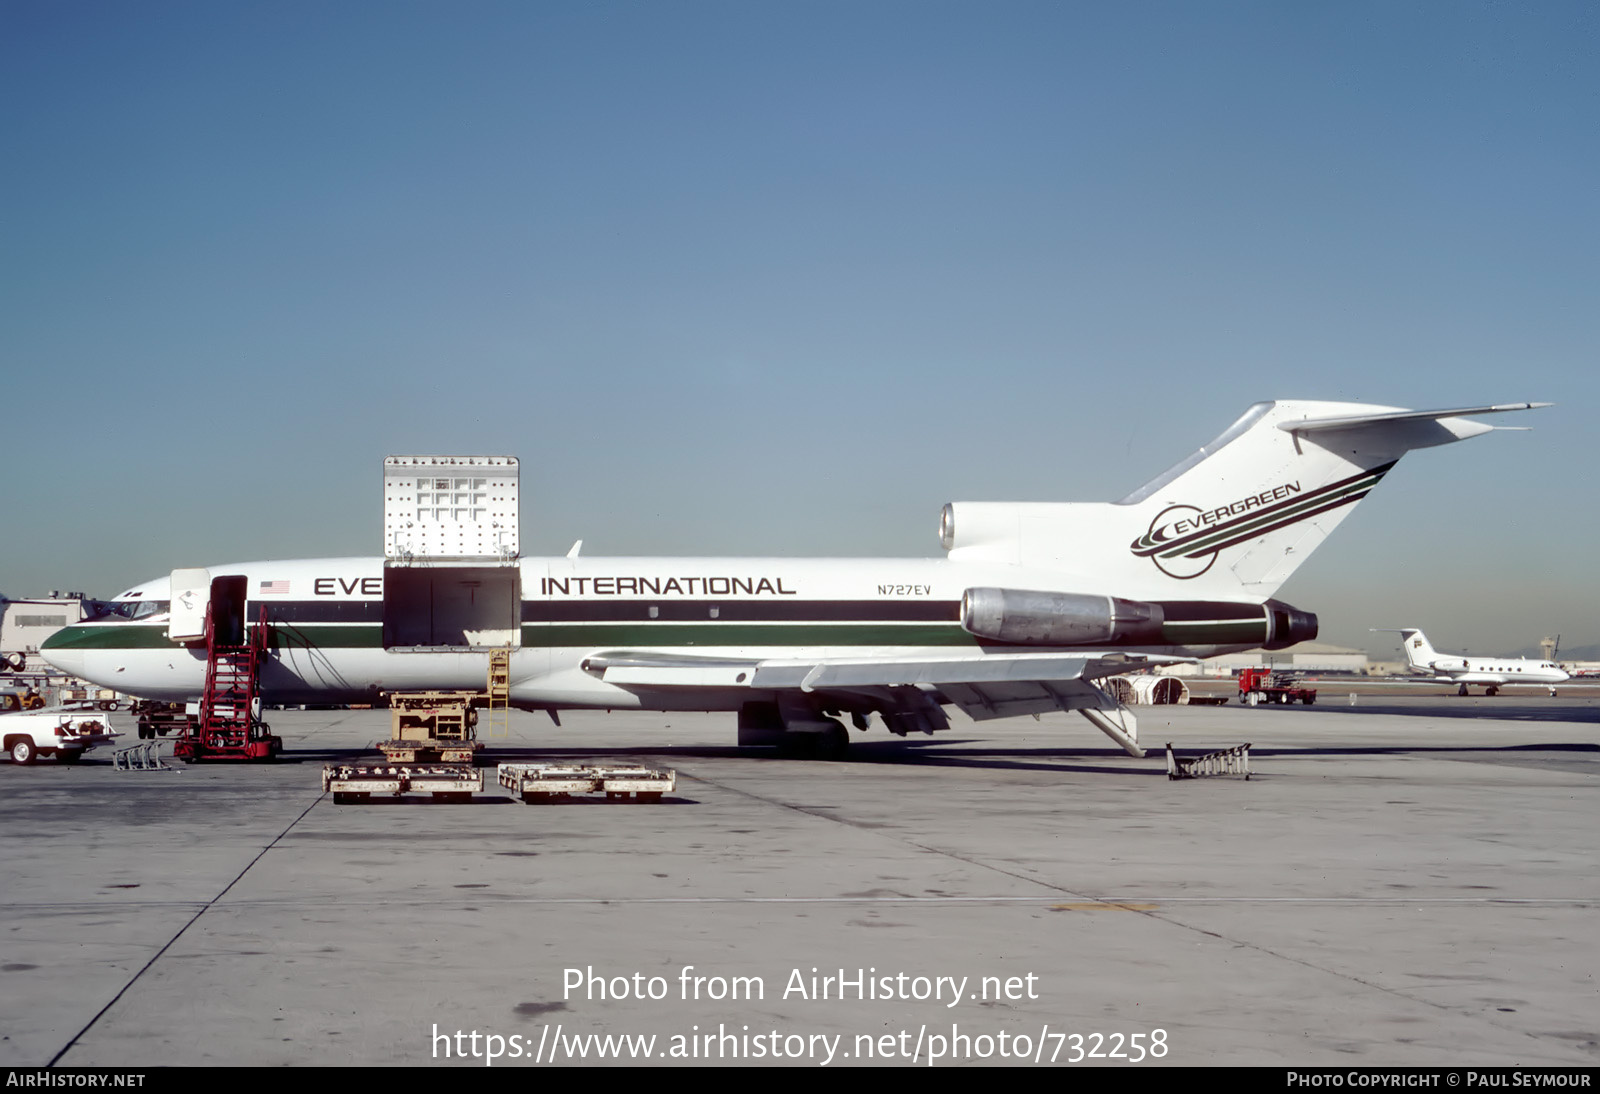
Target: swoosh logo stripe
x=1253 y=533
x=1212 y=539
x=1207 y=540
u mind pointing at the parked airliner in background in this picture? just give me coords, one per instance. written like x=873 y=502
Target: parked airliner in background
x=1492 y=673
x=1031 y=605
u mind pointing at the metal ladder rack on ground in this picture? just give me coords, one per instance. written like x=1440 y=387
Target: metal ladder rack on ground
x=1230 y=761
x=227 y=727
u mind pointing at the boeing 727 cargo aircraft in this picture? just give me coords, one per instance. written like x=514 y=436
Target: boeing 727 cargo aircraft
x=1031 y=605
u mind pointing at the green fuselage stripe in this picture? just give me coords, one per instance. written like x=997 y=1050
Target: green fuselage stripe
x=1248 y=632
x=370 y=636
x=743 y=634
x=648 y=635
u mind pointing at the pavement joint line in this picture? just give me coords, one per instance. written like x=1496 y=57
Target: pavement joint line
x=1156 y=914
x=192 y=920
x=969 y=860
x=1043 y=898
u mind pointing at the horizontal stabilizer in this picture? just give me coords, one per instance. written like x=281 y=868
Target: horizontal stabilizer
x=1355 y=421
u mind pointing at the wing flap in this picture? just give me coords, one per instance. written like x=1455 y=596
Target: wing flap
x=933 y=672
x=678 y=676
x=983 y=702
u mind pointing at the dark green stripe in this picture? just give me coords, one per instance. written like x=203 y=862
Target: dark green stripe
x=1221 y=632
x=300 y=636
x=306 y=635
x=117 y=636
x=1253 y=632
x=736 y=634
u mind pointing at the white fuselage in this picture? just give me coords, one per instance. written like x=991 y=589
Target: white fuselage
x=335 y=638
x=1489 y=671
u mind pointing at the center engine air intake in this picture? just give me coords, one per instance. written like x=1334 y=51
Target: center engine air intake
x=1059 y=619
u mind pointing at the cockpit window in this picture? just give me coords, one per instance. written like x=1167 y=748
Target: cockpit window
x=132 y=609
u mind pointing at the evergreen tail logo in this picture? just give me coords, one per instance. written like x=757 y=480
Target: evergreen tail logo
x=1184 y=540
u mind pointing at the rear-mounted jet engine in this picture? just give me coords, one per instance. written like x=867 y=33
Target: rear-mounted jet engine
x=1035 y=618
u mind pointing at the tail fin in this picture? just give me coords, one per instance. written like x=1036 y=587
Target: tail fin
x=1232 y=521
x=1419 y=652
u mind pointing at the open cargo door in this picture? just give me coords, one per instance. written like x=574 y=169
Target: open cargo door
x=451 y=574
x=453 y=606
x=191 y=592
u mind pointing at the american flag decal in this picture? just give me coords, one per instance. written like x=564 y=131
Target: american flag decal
x=274 y=586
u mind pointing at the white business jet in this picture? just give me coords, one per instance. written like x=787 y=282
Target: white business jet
x=1030 y=606
x=1492 y=673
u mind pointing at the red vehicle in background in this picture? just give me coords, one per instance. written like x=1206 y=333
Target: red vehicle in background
x=1258 y=686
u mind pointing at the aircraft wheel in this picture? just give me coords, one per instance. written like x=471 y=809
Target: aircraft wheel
x=1462 y=690
x=834 y=744
x=22 y=752
x=1491 y=691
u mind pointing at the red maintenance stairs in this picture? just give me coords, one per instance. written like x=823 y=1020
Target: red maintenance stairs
x=228 y=727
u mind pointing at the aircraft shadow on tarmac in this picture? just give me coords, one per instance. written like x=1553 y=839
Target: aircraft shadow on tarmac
x=1496 y=709
x=492 y=798
x=949 y=752
x=1423 y=750
x=956 y=753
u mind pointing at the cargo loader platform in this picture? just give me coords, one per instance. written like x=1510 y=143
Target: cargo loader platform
x=357 y=783
x=549 y=782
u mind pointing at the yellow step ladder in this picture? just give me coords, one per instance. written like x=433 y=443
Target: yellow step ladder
x=499 y=692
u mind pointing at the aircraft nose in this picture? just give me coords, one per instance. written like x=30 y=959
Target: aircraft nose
x=68 y=661
x=62 y=654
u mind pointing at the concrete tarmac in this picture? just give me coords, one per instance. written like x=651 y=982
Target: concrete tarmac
x=1406 y=881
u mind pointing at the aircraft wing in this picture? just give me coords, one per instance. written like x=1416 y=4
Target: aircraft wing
x=984 y=686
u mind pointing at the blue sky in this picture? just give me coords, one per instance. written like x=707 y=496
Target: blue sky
x=784 y=278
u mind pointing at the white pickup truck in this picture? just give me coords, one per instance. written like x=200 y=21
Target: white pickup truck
x=64 y=734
